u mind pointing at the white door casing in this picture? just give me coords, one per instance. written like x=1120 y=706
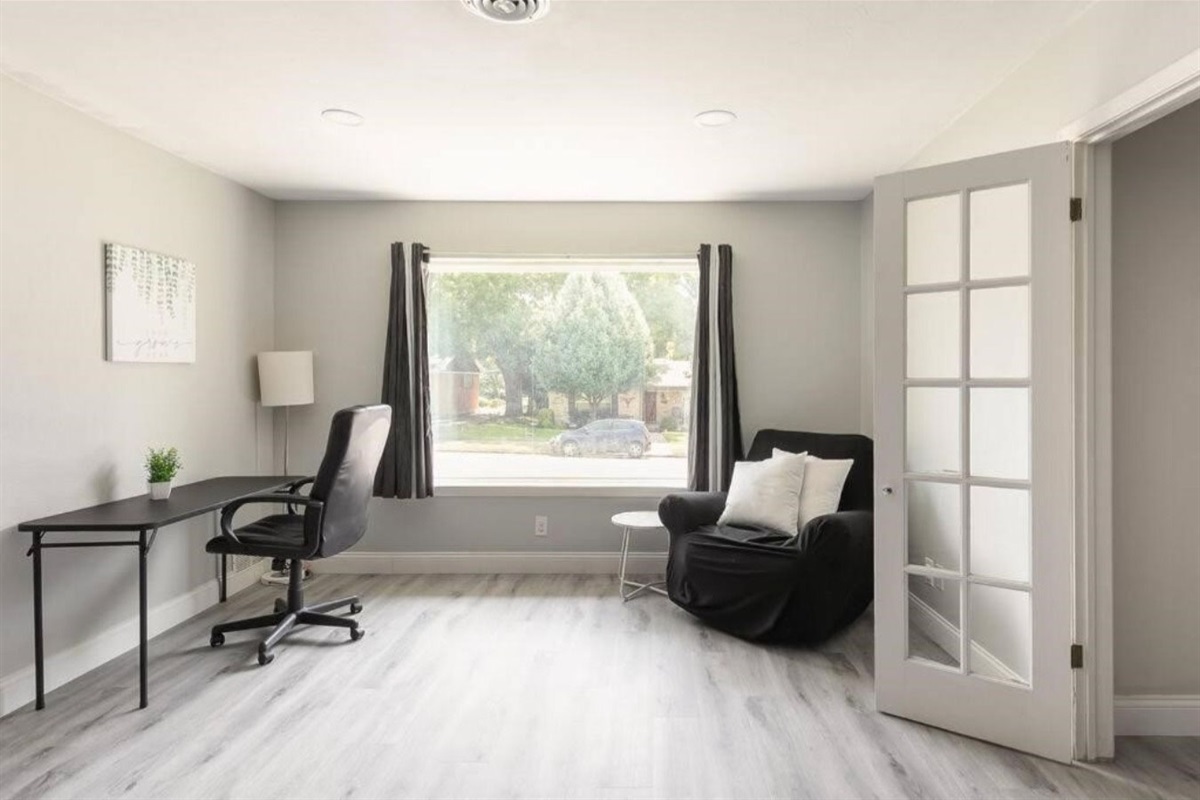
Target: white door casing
x=975 y=448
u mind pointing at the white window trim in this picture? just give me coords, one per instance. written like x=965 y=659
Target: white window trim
x=455 y=262
x=533 y=487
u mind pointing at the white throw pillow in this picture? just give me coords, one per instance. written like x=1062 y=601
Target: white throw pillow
x=823 y=482
x=765 y=493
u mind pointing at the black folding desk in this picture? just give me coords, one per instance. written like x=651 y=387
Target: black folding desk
x=139 y=515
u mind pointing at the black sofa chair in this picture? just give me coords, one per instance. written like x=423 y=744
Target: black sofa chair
x=769 y=586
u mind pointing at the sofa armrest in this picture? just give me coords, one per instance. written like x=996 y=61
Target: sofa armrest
x=838 y=537
x=686 y=511
x=841 y=543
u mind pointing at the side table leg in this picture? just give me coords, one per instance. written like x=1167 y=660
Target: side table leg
x=39 y=653
x=624 y=559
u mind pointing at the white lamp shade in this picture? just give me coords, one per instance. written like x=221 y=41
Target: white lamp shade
x=285 y=378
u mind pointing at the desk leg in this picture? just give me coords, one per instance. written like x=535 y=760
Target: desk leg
x=143 y=550
x=39 y=653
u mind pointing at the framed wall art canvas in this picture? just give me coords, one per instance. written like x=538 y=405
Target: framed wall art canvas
x=151 y=306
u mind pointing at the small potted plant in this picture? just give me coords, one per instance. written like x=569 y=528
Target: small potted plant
x=161 y=468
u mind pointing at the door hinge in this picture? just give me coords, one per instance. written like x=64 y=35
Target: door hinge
x=1076 y=656
x=1076 y=209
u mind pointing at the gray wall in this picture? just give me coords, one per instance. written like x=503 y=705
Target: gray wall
x=74 y=427
x=1156 y=406
x=796 y=296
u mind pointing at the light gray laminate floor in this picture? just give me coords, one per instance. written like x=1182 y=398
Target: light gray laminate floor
x=520 y=686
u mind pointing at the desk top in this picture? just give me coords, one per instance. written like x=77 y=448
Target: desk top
x=142 y=513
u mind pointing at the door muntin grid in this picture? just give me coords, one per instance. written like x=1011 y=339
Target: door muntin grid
x=980 y=604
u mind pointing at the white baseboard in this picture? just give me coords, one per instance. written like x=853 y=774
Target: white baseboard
x=945 y=634
x=497 y=563
x=1157 y=715
x=19 y=687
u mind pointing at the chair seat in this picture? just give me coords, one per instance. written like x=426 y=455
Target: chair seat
x=276 y=536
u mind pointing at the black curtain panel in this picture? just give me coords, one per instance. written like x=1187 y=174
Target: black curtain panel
x=698 y=439
x=406 y=469
x=729 y=415
x=715 y=442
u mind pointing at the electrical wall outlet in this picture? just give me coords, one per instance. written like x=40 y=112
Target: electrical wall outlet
x=541 y=526
x=936 y=583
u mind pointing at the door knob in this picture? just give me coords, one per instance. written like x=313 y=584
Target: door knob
x=888 y=490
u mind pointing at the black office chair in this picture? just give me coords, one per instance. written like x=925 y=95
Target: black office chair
x=334 y=518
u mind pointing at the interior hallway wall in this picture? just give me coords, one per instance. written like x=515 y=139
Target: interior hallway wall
x=1156 y=406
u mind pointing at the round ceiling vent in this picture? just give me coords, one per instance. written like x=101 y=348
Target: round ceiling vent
x=509 y=10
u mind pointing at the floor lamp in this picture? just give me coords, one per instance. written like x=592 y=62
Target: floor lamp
x=285 y=378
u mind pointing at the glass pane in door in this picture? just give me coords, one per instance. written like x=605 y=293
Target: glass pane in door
x=933 y=341
x=933 y=441
x=1001 y=633
x=1000 y=533
x=934 y=620
x=999 y=234
x=1000 y=433
x=1000 y=332
x=934 y=524
x=933 y=240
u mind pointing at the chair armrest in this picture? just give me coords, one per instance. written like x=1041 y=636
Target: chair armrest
x=838 y=537
x=273 y=497
x=686 y=511
x=294 y=487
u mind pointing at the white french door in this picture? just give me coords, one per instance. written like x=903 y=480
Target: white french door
x=974 y=425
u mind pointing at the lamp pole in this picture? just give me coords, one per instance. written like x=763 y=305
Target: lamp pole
x=286 y=437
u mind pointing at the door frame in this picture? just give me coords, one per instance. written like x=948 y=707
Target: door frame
x=1093 y=134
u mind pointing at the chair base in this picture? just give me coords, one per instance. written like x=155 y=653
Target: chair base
x=290 y=613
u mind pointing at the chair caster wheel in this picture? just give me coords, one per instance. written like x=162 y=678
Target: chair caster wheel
x=280 y=605
x=355 y=608
x=265 y=658
x=357 y=633
x=216 y=640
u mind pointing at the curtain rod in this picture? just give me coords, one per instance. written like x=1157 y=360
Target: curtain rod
x=562 y=256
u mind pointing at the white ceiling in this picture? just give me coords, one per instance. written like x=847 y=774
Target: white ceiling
x=593 y=102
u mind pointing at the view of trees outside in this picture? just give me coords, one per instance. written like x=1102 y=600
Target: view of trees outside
x=565 y=375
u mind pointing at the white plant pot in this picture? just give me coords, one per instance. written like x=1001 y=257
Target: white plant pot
x=160 y=490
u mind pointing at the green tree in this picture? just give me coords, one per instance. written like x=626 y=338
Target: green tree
x=596 y=342
x=668 y=300
x=492 y=315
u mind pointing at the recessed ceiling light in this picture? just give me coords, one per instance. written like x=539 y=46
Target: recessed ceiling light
x=715 y=118
x=340 y=116
x=508 y=10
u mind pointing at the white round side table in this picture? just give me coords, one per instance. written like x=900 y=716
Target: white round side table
x=630 y=521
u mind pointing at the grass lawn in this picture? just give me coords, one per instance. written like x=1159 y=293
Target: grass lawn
x=494 y=435
x=471 y=430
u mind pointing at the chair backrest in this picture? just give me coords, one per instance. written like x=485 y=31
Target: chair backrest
x=347 y=476
x=858 y=493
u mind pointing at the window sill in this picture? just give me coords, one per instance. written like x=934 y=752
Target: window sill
x=484 y=488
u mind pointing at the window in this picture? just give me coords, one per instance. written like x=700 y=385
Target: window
x=561 y=371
